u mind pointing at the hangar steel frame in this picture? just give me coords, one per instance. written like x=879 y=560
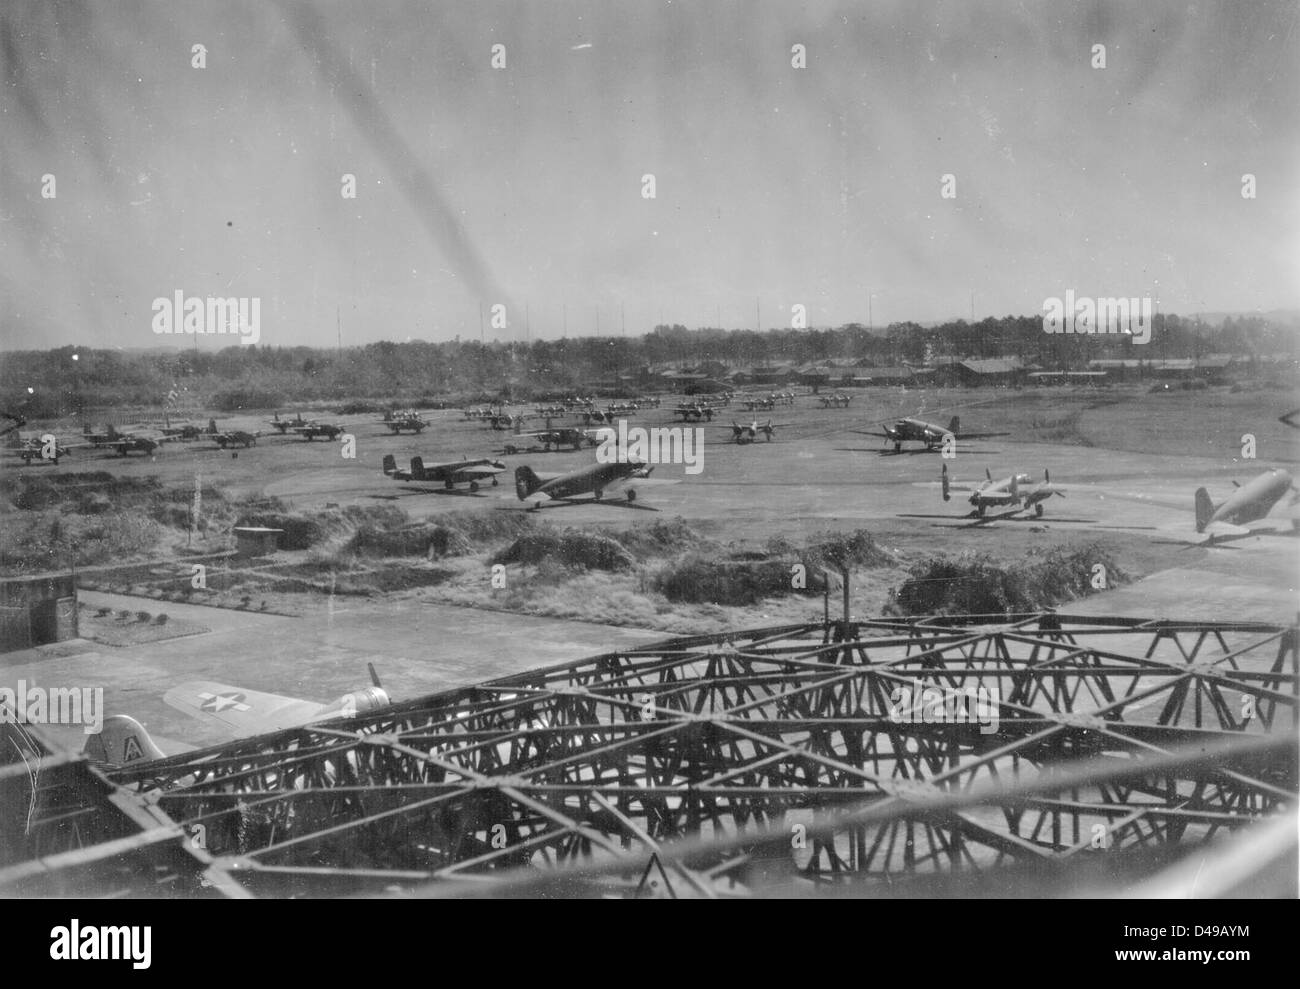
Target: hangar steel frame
x=776 y=761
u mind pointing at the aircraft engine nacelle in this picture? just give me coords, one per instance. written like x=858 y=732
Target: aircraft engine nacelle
x=357 y=702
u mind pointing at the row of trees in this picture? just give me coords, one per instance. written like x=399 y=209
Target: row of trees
x=69 y=380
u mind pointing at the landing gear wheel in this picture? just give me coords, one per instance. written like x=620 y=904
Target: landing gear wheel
x=898 y=447
x=510 y=450
x=473 y=485
x=631 y=496
x=1038 y=511
x=494 y=482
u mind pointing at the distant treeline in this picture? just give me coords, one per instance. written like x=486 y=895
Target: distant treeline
x=424 y=373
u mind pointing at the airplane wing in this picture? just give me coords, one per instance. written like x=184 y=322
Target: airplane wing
x=240 y=712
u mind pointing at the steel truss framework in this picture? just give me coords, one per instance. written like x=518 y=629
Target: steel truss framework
x=868 y=756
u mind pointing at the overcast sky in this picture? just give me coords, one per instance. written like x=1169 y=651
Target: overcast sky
x=523 y=185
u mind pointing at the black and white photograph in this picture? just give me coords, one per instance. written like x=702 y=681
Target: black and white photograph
x=646 y=449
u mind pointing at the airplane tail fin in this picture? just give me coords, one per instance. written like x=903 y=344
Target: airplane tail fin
x=1204 y=509
x=122 y=741
x=943 y=478
x=417 y=468
x=954 y=425
x=526 y=482
x=390 y=464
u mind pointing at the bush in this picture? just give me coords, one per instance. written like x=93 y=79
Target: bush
x=572 y=547
x=698 y=579
x=299 y=532
x=974 y=584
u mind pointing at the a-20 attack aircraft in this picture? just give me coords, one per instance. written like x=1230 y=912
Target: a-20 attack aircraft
x=44 y=448
x=919 y=431
x=313 y=429
x=1250 y=503
x=557 y=437
x=236 y=712
x=747 y=434
x=1018 y=490
x=593 y=480
x=450 y=474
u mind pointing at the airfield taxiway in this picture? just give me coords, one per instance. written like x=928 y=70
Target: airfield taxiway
x=1129 y=463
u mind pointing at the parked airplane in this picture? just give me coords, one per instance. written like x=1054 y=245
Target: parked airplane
x=405 y=420
x=1018 y=490
x=593 y=480
x=45 y=448
x=450 y=474
x=284 y=425
x=1250 y=503
x=837 y=401
x=694 y=410
x=929 y=433
x=235 y=711
x=504 y=420
x=747 y=434
x=329 y=430
x=235 y=437
x=557 y=437
x=146 y=441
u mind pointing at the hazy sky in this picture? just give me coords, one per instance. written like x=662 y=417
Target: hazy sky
x=523 y=185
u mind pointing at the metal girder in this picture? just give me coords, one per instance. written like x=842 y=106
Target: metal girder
x=936 y=748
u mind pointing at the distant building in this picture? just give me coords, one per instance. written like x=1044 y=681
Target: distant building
x=1121 y=369
x=1066 y=377
x=256 y=540
x=37 y=610
x=991 y=371
x=900 y=375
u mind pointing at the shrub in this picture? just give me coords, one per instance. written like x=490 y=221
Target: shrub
x=974 y=584
x=299 y=532
x=729 y=582
x=572 y=547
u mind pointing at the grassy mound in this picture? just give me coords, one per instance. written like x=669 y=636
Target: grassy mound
x=698 y=579
x=572 y=548
x=975 y=584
